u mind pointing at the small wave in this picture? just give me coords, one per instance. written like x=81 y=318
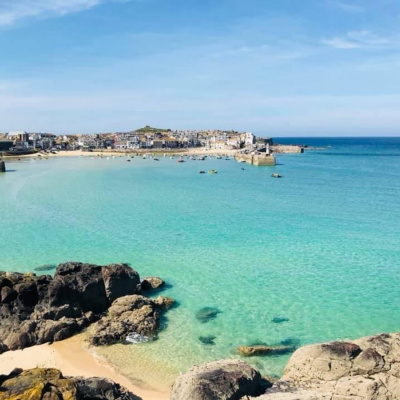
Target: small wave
x=137 y=338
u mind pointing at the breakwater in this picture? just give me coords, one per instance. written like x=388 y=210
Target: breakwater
x=256 y=159
x=287 y=149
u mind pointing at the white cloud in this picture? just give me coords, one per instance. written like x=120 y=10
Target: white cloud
x=362 y=39
x=11 y=11
x=344 y=6
x=340 y=43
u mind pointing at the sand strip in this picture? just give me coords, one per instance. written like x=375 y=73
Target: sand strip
x=72 y=359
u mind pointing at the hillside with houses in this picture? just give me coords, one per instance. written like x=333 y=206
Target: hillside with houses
x=143 y=138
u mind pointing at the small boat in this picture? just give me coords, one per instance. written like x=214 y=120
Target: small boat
x=276 y=176
x=156 y=159
x=213 y=171
x=181 y=160
x=128 y=160
x=202 y=172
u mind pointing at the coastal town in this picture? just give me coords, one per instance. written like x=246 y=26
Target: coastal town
x=147 y=138
x=245 y=146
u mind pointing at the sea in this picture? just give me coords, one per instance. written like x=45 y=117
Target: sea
x=311 y=257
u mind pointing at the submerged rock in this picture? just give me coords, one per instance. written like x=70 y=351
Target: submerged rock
x=279 y=320
x=50 y=384
x=262 y=350
x=207 y=314
x=47 y=267
x=222 y=380
x=208 y=340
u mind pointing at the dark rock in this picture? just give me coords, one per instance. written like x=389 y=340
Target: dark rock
x=152 y=282
x=220 y=380
x=208 y=340
x=279 y=320
x=119 y=280
x=40 y=309
x=8 y=294
x=2 y=166
x=50 y=384
x=207 y=314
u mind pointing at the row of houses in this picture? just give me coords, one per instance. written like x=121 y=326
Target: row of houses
x=140 y=139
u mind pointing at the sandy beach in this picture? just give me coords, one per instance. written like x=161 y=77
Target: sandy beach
x=116 y=153
x=73 y=359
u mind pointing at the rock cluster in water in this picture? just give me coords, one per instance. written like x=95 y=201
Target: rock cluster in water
x=50 y=384
x=39 y=309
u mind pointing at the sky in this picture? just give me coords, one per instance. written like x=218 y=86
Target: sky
x=272 y=67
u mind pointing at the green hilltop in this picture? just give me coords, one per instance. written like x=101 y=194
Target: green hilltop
x=149 y=129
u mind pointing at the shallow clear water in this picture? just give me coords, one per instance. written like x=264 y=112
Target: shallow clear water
x=319 y=247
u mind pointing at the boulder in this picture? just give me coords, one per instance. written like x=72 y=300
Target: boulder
x=50 y=384
x=128 y=314
x=164 y=302
x=364 y=369
x=222 y=380
x=120 y=280
x=152 y=282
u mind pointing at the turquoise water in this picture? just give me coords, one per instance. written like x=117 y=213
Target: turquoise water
x=319 y=247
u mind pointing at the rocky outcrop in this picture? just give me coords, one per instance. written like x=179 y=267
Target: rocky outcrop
x=126 y=315
x=50 y=384
x=222 y=380
x=39 y=309
x=364 y=369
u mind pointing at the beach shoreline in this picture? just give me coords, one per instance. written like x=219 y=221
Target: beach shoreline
x=118 y=153
x=73 y=358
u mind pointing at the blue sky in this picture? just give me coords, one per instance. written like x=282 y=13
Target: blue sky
x=274 y=67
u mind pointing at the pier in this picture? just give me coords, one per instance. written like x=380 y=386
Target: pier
x=257 y=159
